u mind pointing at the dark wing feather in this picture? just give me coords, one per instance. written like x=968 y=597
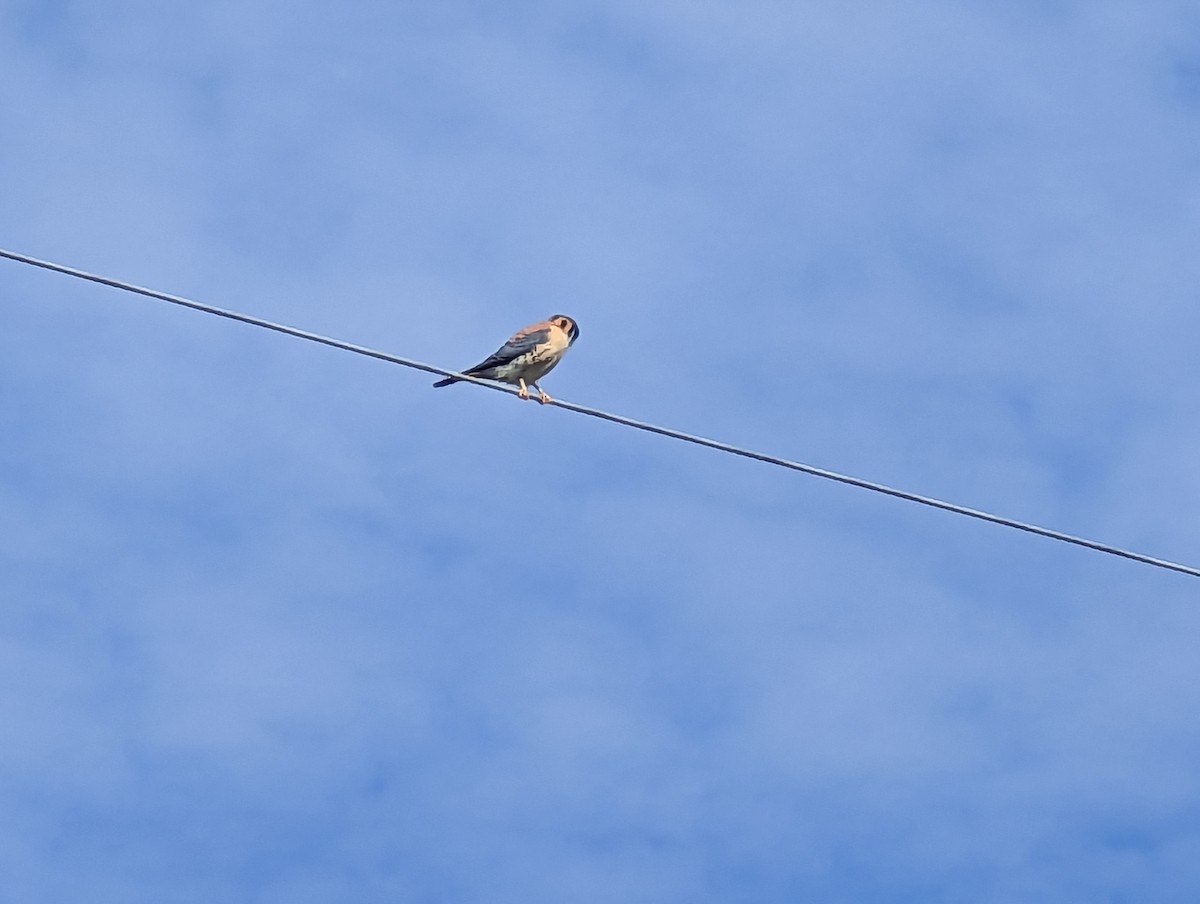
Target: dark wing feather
x=510 y=350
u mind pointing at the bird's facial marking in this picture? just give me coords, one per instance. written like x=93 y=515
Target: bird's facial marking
x=567 y=325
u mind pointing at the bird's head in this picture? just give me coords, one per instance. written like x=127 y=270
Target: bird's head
x=567 y=325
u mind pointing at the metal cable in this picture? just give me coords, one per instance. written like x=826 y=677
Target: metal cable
x=615 y=418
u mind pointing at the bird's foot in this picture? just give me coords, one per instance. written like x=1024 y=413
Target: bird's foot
x=543 y=397
x=523 y=392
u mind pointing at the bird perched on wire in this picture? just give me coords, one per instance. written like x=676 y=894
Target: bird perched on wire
x=527 y=356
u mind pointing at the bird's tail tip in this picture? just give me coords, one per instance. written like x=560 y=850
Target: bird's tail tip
x=446 y=382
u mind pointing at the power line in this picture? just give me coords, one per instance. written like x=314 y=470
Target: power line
x=615 y=418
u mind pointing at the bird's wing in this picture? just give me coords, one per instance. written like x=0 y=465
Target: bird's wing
x=520 y=344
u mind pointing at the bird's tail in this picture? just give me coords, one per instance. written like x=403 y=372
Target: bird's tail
x=446 y=382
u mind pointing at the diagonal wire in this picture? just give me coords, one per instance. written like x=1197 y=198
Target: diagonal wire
x=614 y=418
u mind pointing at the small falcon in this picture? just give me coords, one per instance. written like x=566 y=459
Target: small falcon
x=527 y=356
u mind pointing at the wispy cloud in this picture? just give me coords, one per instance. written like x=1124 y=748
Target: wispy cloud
x=283 y=624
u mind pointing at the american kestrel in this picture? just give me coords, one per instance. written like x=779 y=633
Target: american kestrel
x=527 y=356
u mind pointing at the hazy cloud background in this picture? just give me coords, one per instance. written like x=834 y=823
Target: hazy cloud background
x=283 y=624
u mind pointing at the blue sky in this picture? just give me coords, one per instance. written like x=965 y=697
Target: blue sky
x=280 y=623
